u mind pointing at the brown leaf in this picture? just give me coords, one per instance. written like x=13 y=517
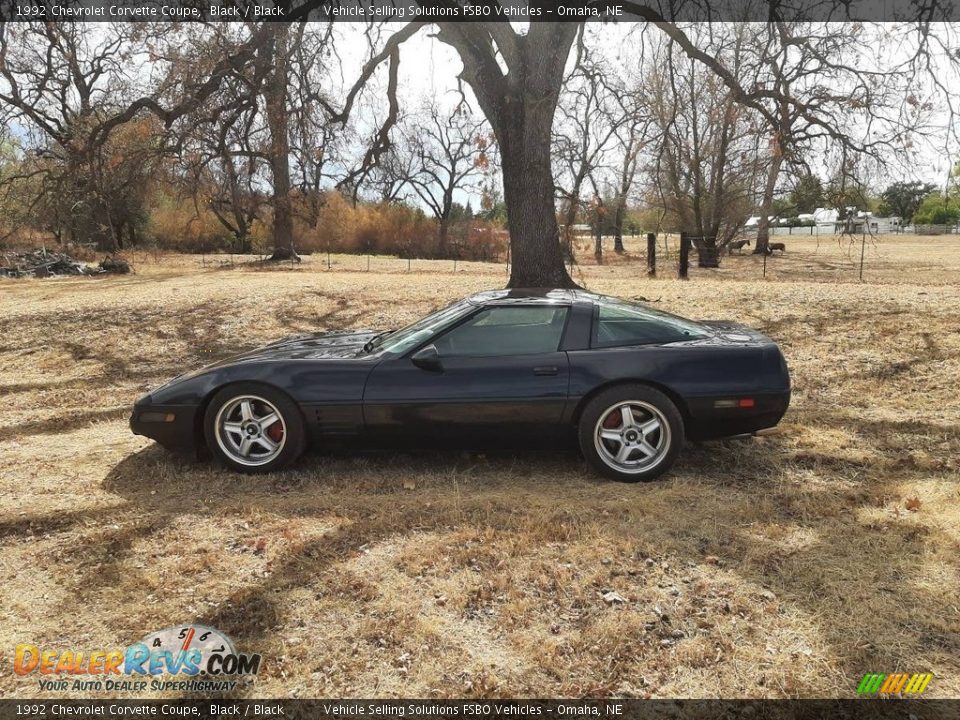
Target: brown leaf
x=913 y=504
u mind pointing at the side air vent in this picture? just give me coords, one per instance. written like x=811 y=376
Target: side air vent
x=339 y=419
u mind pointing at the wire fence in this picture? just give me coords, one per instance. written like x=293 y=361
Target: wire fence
x=846 y=257
x=870 y=228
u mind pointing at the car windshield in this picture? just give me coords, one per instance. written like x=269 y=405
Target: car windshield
x=400 y=341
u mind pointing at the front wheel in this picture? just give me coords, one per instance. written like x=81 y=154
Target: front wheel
x=631 y=433
x=254 y=428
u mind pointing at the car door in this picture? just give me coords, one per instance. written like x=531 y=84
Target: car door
x=497 y=373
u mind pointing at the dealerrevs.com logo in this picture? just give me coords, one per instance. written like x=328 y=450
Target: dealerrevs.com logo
x=185 y=658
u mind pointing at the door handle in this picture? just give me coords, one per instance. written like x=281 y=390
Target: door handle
x=546 y=370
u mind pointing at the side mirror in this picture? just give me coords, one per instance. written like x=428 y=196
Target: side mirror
x=427 y=359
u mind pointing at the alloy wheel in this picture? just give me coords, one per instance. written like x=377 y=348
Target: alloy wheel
x=250 y=430
x=632 y=436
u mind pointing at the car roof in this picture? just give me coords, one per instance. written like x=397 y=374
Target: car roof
x=531 y=296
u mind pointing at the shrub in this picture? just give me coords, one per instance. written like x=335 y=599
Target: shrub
x=177 y=224
x=392 y=229
x=937 y=210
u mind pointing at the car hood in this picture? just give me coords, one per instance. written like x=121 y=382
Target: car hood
x=315 y=346
x=339 y=346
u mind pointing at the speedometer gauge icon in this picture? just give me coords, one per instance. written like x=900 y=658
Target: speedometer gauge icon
x=183 y=638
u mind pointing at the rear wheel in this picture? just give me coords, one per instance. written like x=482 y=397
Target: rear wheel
x=631 y=433
x=254 y=428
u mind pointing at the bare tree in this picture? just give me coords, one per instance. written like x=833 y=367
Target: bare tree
x=222 y=166
x=823 y=85
x=316 y=145
x=262 y=116
x=583 y=132
x=819 y=86
x=390 y=179
x=632 y=137
x=516 y=78
x=446 y=150
x=707 y=160
x=58 y=83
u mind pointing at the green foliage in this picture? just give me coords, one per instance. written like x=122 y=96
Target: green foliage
x=903 y=199
x=496 y=213
x=781 y=206
x=458 y=212
x=937 y=209
x=807 y=195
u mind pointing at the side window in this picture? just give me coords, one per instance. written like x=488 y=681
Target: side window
x=506 y=331
x=618 y=324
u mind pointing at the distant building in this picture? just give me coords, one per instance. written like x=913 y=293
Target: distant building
x=824 y=216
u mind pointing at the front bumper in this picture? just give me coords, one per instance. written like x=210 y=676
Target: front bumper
x=173 y=426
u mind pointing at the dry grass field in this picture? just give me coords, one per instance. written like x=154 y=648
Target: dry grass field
x=785 y=565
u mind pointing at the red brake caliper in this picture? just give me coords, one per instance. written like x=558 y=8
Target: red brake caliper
x=612 y=421
x=275 y=432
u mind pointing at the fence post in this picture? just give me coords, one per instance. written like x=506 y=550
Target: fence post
x=863 y=247
x=651 y=255
x=684 y=255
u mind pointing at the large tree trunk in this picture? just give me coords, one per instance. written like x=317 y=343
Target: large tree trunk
x=520 y=104
x=618 y=226
x=569 y=218
x=275 y=97
x=528 y=191
x=766 y=206
x=443 y=237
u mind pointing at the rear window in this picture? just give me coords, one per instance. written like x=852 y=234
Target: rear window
x=617 y=323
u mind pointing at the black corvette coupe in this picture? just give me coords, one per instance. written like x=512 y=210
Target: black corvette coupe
x=632 y=382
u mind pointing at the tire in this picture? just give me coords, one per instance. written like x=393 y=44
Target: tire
x=636 y=451
x=233 y=424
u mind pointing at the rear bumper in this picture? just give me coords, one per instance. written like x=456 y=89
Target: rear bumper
x=708 y=418
x=170 y=425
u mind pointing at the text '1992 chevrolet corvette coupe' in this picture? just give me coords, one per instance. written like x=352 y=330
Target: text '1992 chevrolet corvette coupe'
x=632 y=383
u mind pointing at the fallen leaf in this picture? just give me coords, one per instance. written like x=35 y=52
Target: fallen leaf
x=613 y=598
